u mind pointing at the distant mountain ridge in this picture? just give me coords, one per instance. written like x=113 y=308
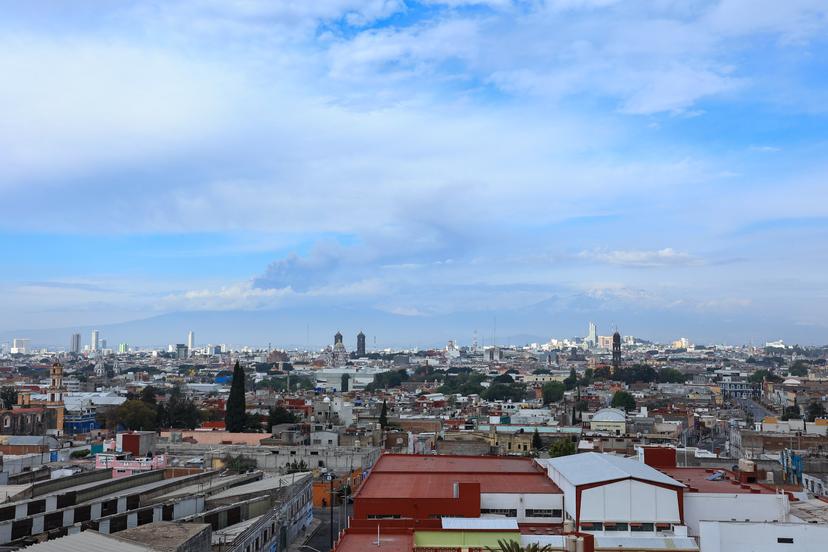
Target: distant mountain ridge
x=300 y=327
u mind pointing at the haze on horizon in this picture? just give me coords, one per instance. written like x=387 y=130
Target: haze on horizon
x=659 y=166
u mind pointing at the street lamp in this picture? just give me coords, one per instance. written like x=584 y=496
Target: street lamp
x=330 y=478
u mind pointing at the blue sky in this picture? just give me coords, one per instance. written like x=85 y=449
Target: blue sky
x=421 y=159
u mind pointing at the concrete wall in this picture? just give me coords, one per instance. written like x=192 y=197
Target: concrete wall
x=630 y=501
x=700 y=507
x=762 y=537
x=45 y=487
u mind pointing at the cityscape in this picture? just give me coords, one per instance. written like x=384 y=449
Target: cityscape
x=414 y=276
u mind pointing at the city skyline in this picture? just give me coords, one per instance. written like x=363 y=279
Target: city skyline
x=428 y=166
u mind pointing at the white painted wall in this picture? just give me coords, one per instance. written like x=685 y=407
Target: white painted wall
x=628 y=501
x=700 y=507
x=567 y=488
x=717 y=536
x=520 y=502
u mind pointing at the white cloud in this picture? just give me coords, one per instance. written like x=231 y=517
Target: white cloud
x=642 y=258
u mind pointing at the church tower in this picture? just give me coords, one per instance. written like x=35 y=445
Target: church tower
x=55 y=393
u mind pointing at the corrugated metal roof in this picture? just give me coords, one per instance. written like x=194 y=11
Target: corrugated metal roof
x=594 y=467
x=480 y=524
x=88 y=541
x=646 y=543
x=263 y=485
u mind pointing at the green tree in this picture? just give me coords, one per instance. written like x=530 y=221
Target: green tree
x=296 y=466
x=571 y=381
x=815 y=410
x=762 y=375
x=148 y=394
x=505 y=392
x=252 y=423
x=670 y=375
x=623 y=399
x=791 y=413
x=234 y=419
x=553 y=391
x=8 y=395
x=562 y=447
x=383 y=417
x=280 y=415
x=136 y=415
x=179 y=412
x=537 y=443
x=503 y=378
x=799 y=369
x=504 y=545
x=602 y=373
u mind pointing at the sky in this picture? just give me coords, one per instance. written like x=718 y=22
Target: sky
x=660 y=166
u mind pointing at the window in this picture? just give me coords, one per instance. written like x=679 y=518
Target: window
x=594 y=526
x=644 y=527
x=615 y=527
x=383 y=516
x=499 y=512
x=543 y=513
x=784 y=540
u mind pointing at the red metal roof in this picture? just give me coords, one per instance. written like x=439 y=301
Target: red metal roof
x=696 y=481
x=441 y=485
x=360 y=542
x=413 y=463
x=413 y=476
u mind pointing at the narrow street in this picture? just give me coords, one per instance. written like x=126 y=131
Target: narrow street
x=320 y=540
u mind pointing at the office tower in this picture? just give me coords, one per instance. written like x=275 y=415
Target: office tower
x=616 y=351
x=180 y=351
x=95 y=345
x=76 y=344
x=102 y=344
x=191 y=341
x=20 y=346
x=360 y=344
x=337 y=338
x=123 y=348
x=592 y=336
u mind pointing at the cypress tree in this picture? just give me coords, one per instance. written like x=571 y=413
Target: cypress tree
x=235 y=415
x=383 y=418
x=537 y=443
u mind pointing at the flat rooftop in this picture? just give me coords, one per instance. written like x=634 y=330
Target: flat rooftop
x=697 y=481
x=360 y=542
x=413 y=463
x=412 y=476
x=160 y=535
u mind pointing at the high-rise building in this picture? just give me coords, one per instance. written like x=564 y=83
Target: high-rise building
x=76 y=344
x=95 y=345
x=181 y=351
x=191 y=341
x=123 y=348
x=592 y=335
x=616 y=351
x=360 y=344
x=20 y=346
